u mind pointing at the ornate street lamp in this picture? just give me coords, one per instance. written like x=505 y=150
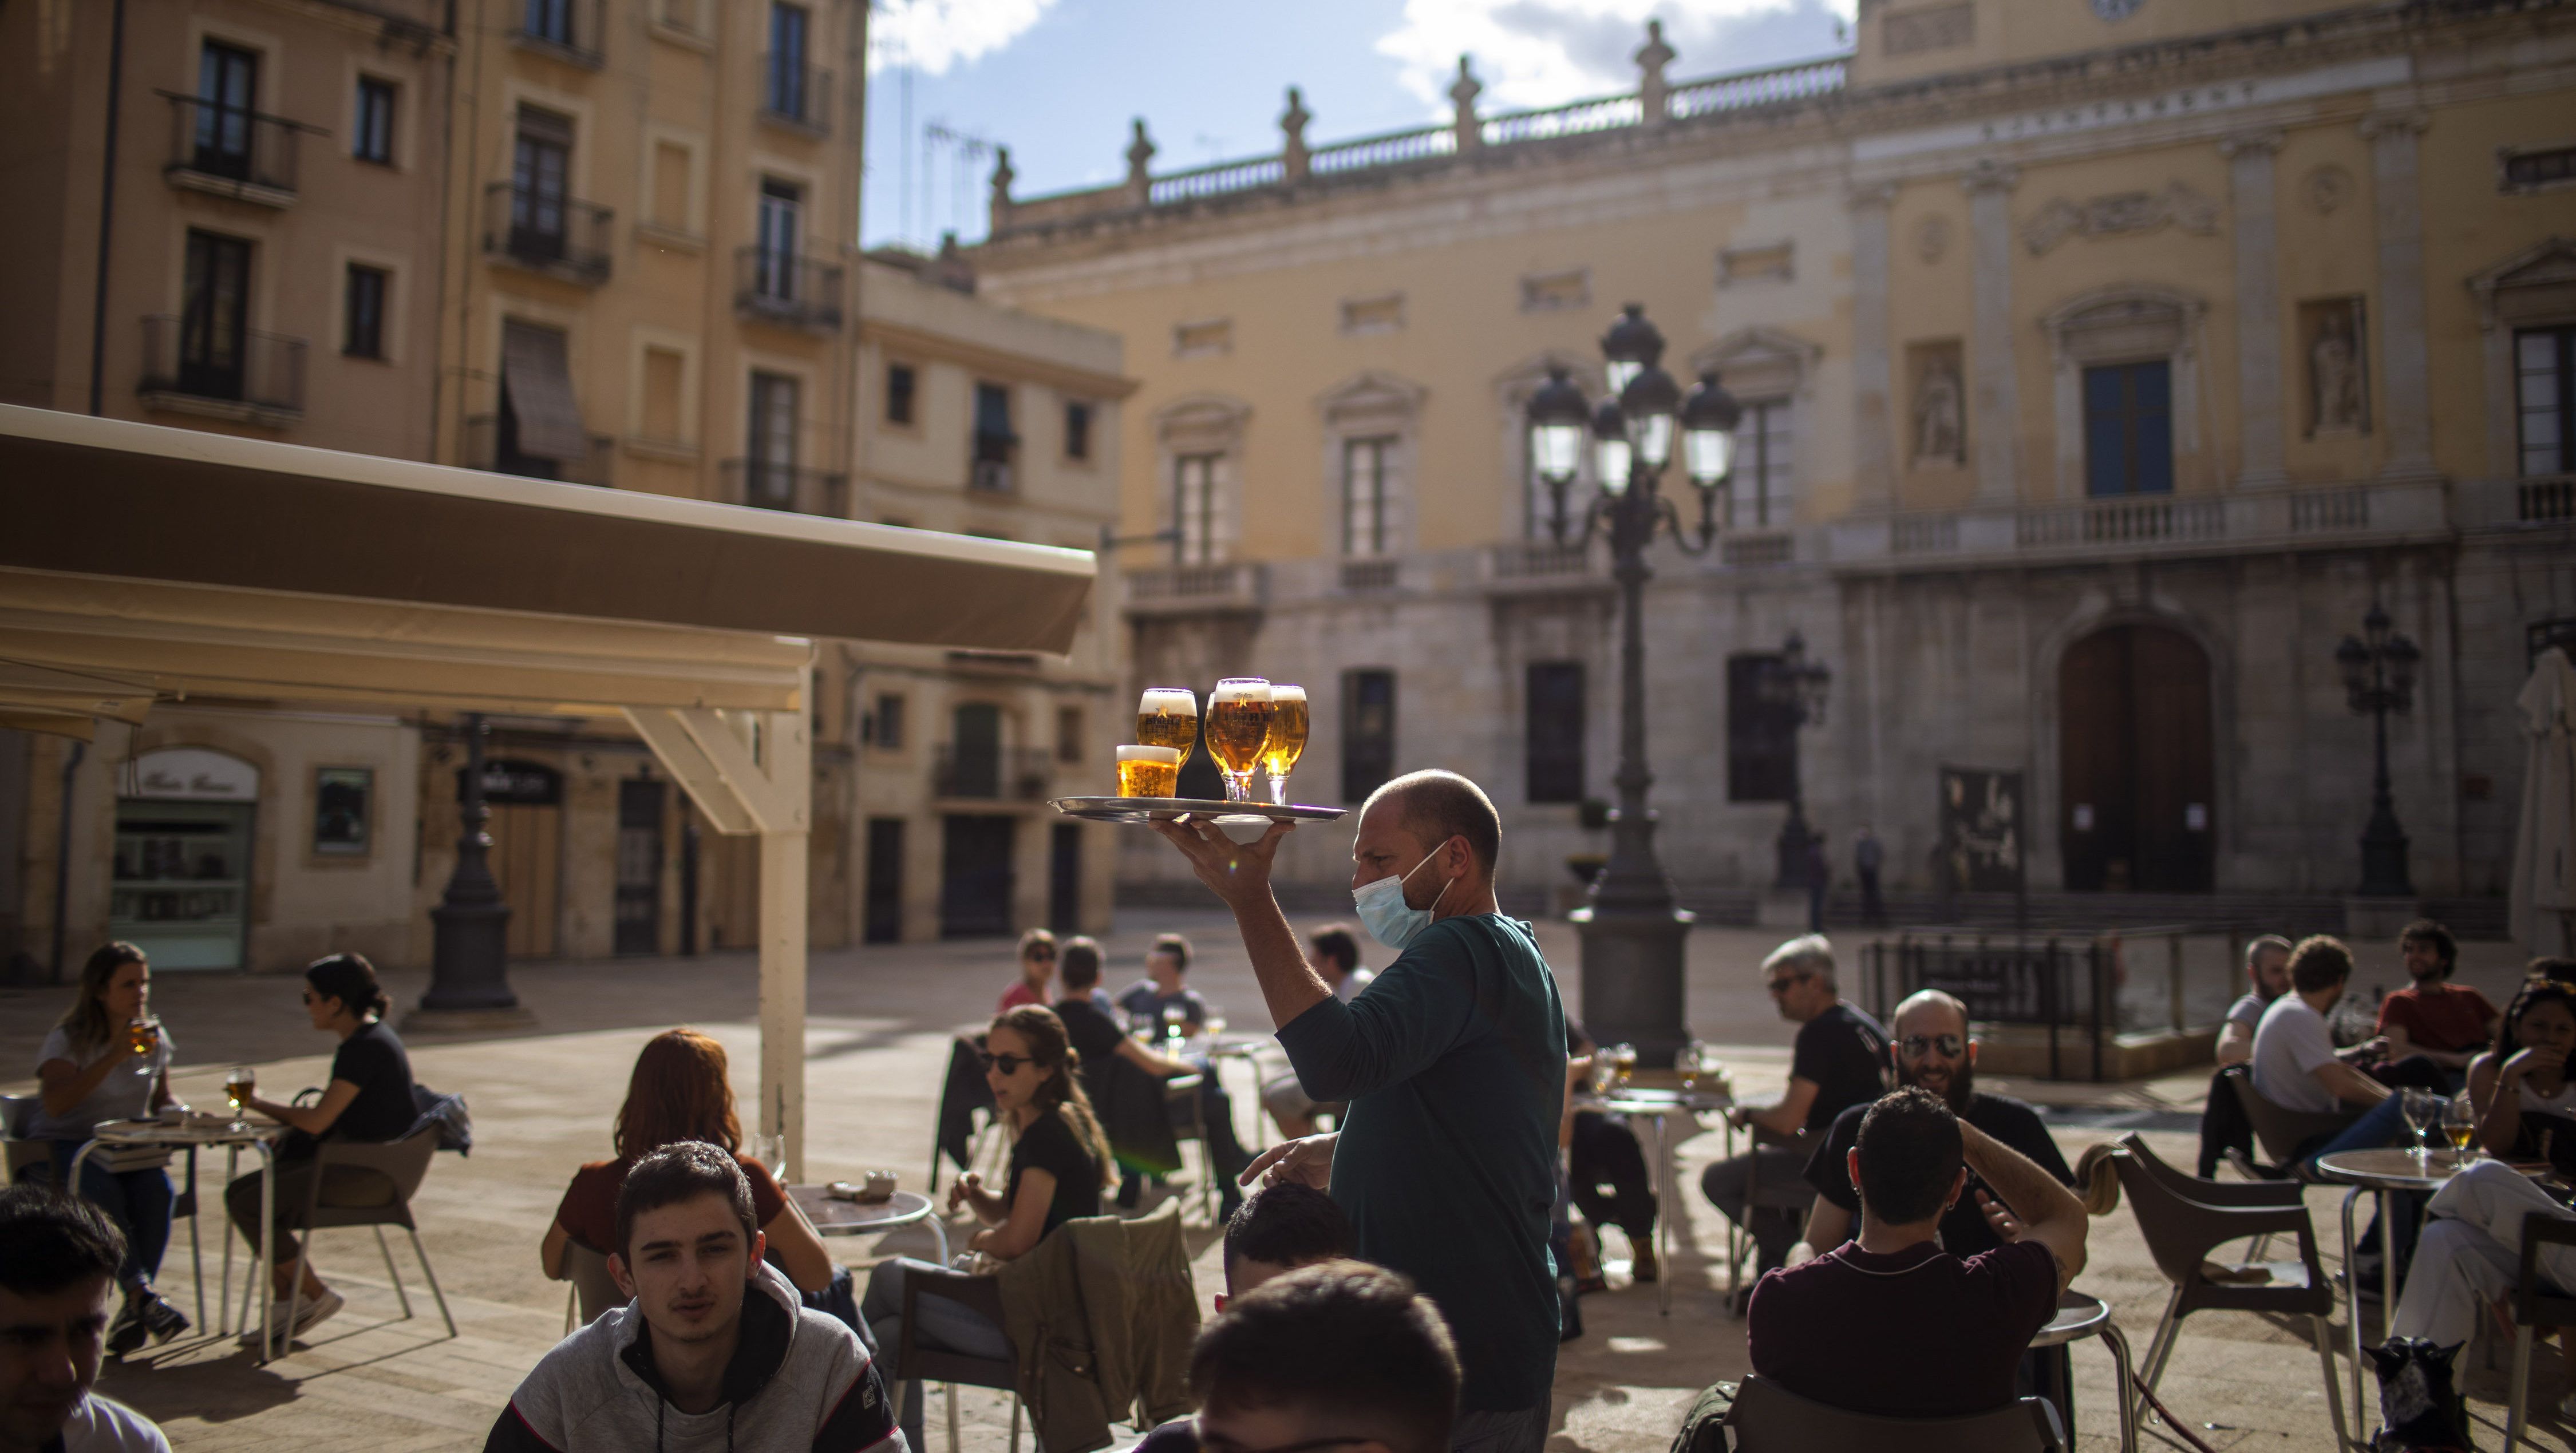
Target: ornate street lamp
x=1795 y=687
x=469 y=979
x=1633 y=931
x=2378 y=678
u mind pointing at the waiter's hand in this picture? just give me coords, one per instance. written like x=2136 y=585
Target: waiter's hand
x=1308 y=1162
x=1237 y=872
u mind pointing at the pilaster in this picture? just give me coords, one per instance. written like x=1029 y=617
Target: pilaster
x=2403 y=365
x=2260 y=428
x=1995 y=397
x=1873 y=390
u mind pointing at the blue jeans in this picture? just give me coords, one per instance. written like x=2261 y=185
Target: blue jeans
x=2382 y=1124
x=944 y=1325
x=138 y=1201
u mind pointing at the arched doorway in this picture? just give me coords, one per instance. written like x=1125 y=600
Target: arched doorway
x=2136 y=763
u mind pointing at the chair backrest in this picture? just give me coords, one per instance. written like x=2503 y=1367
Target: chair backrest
x=2208 y=1192
x=404 y=1162
x=18 y=1115
x=979 y=1294
x=591 y=1281
x=1768 y=1418
x=2281 y=1129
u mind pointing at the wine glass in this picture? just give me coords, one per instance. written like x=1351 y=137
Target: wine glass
x=2460 y=1124
x=2422 y=1114
x=240 y=1082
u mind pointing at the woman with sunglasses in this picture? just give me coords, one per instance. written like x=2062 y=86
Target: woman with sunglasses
x=369 y=1099
x=1059 y=1165
x=1037 y=969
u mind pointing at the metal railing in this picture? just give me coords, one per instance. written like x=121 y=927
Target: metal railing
x=992 y=774
x=482 y=450
x=548 y=232
x=1363 y=576
x=786 y=288
x=794 y=95
x=1769 y=86
x=569 y=30
x=1538 y=560
x=2085 y=989
x=763 y=484
x=1758 y=547
x=262 y=372
x=230 y=148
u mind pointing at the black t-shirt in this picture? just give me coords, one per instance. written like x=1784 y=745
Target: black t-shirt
x=1964 y=1230
x=1092 y=1030
x=1842 y=1050
x=374 y=1061
x=1050 y=1145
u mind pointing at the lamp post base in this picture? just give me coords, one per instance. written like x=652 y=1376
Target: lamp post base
x=469 y=959
x=1633 y=979
x=2383 y=862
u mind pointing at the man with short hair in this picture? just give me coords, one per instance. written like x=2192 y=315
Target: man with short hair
x=2296 y=1066
x=1340 y=1355
x=1835 y=1066
x=1160 y=993
x=1094 y=1033
x=2444 y=1022
x=1277 y=1230
x=715 y=1349
x=59 y=1259
x=1454 y=1066
x=1891 y=1323
x=2267 y=977
x=1335 y=956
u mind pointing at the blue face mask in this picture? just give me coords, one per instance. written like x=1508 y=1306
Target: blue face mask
x=1389 y=919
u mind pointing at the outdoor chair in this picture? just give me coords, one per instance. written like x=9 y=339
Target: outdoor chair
x=593 y=1290
x=2536 y=1303
x=1189 y=1115
x=2185 y=1218
x=403 y=1163
x=2281 y=1131
x=17 y=1115
x=1768 y=1418
x=1793 y=1194
x=915 y=1363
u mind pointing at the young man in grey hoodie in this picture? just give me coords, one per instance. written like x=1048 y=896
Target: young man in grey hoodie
x=714 y=1352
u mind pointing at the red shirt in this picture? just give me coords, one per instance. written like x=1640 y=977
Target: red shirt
x=589 y=1209
x=1019 y=994
x=2446 y=1017
x=1916 y=1333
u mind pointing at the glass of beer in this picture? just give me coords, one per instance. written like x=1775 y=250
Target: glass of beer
x=145 y=1031
x=1240 y=712
x=1145 y=771
x=1168 y=716
x=2460 y=1127
x=1287 y=739
x=239 y=1083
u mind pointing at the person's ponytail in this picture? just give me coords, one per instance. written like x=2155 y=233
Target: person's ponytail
x=350 y=979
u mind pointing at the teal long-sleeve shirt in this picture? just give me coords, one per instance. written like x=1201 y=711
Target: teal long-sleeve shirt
x=1453 y=1062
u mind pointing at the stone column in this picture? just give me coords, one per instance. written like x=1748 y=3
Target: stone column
x=2403 y=367
x=1994 y=430
x=2259 y=385
x=1874 y=452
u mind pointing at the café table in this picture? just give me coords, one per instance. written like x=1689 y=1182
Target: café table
x=1659 y=1105
x=206 y=1131
x=2079 y=1316
x=833 y=1216
x=2386 y=1171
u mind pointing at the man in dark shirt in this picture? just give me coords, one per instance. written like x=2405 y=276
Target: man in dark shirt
x=1161 y=993
x=1095 y=1035
x=1834 y=1067
x=1454 y=1066
x=1891 y=1324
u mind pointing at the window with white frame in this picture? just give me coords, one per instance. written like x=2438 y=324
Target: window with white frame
x=1197 y=483
x=1759 y=498
x=1367 y=469
x=2544 y=366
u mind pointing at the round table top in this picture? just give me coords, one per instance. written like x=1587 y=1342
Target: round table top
x=2391 y=1169
x=835 y=1217
x=1652 y=1100
x=2078 y=1316
x=195 y=1130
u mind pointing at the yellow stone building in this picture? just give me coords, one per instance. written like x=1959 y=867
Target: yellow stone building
x=2103 y=366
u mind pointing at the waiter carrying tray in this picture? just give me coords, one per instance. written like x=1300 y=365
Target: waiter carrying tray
x=1454 y=1066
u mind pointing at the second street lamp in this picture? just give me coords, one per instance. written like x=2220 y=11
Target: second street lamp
x=2378 y=678
x=1633 y=930
x=1795 y=687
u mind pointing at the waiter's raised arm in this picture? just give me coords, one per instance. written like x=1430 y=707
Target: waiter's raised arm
x=1239 y=873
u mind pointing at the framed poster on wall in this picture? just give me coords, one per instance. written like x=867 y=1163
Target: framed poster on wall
x=343 y=808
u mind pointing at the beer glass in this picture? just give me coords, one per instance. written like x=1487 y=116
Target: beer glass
x=1149 y=772
x=240 y=1082
x=1168 y=716
x=1287 y=739
x=145 y=1031
x=1240 y=712
x=2460 y=1127
x=1623 y=1065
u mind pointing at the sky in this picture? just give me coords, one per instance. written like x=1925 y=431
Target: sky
x=1059 y=81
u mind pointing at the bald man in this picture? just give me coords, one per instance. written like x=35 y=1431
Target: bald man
x=1930 y=1046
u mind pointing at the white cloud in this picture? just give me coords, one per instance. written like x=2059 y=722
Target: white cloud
x=935 y=35
x=1543 y=52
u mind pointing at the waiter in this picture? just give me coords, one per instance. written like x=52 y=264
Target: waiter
x=1454 y=1066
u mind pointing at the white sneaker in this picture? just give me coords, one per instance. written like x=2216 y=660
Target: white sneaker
x=307 y=1316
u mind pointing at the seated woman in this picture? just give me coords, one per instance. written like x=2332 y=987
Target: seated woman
x=89 y=1071
x=679 y=1090
x=1059 y=1165
x=2522 y=1086
x=369 y=1099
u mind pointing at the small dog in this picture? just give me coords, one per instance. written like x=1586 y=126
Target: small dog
x=2419 y=1410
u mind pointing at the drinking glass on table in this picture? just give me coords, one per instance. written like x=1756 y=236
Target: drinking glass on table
x=1688 y=1062
x=1168 y=716
x=1287 y=740
x=2460 y=1125
x=767 y=1149
x=1623 y=1065
x=1240 y=713
x=240 y=1083
x=2423 y=1111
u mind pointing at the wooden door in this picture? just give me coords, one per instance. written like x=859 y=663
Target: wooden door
x=527 y=854
x=976 y=880
x=2136 y=763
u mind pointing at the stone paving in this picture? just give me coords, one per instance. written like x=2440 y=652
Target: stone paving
x=880 y=1024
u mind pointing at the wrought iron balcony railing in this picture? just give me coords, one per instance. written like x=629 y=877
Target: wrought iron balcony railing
x=547 y=231
x=784 y=288
x=762 y=484
x=231 y=150
x=574 y=31
x=212 y=368
x=992 y=774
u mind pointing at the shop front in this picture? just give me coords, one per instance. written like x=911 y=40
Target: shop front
x=183 y=858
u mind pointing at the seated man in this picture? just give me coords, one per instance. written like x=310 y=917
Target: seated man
x=1605 y=1173
x=1279 y=1229
x=59 y=1259
x=1890 y=1323
x=1338 y=1355
x=1161 y=994
x=2444 y=1023
x=1335 y=954
x=1095 y=1035
x=714 y=1350
x=2296 y=1067
x=1836 y=1065
x=2223 y=1125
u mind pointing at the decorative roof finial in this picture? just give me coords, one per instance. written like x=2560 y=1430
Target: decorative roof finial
x=1140 y=157
x=1292 y=125
x=1653 y=93
x=998 y=207
x=1463 y=93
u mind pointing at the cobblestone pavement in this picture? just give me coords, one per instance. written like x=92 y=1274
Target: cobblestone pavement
x=881 y=1018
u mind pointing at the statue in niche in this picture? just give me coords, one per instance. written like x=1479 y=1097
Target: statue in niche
x=1940 y=431
x=2334 y=373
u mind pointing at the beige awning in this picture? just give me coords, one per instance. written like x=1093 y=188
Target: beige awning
x=538 y=377
x=108 y=498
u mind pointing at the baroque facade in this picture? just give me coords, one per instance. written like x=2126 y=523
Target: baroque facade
x=2102 y=368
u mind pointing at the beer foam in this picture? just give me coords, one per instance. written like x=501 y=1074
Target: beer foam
x=1239 y=688
x=1170 y=756
x=1287 y=693
x=1170 y=700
